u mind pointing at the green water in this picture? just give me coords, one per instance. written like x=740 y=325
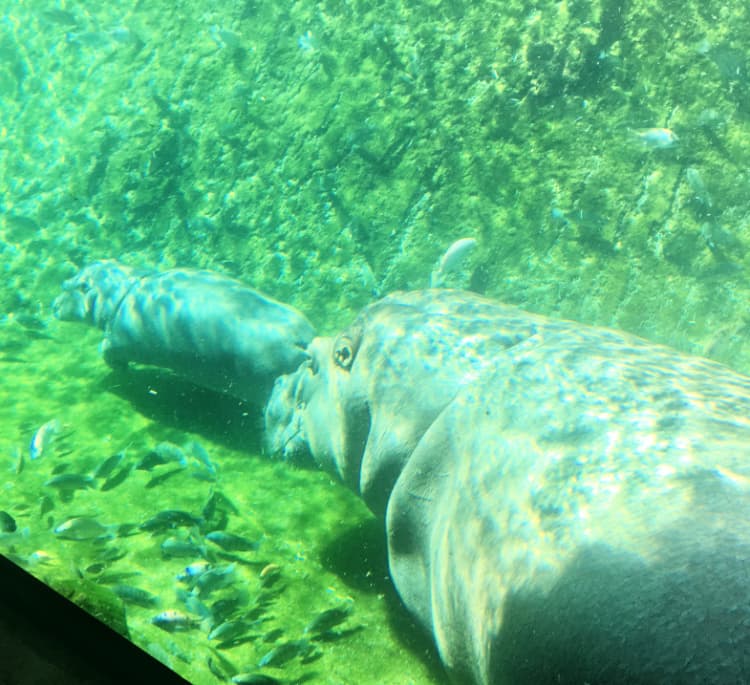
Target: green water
x=328 y=153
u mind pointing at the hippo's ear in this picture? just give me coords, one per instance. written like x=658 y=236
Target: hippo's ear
x=346 y=346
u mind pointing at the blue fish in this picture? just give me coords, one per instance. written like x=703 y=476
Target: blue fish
x=174 y=621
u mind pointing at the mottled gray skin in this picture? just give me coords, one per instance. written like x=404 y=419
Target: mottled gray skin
x=209 y=328
x=563 y=503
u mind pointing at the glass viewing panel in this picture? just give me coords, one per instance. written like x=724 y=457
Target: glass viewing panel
x=268 y=407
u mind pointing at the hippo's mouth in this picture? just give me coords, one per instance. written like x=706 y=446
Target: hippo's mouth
x=295 y=449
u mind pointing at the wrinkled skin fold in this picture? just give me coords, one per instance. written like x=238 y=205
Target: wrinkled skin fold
x=211 y=329
x=562 y=503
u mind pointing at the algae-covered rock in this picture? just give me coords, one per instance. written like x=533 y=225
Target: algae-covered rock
x=328 y=154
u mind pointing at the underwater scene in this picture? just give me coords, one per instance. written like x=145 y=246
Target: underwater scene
x=184 y=184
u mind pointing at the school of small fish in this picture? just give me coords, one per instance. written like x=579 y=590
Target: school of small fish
x=225 y=591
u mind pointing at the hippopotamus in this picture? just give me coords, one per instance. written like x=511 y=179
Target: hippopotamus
x=562 y=503
x=209 y=328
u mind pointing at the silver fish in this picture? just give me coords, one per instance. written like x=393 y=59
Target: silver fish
x=82 y=528
x=452 y=260
x=191 y=573
x=657 y=138
x=43 y=437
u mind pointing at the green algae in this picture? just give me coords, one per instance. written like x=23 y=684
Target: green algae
x=327 y=546
x=328 y=153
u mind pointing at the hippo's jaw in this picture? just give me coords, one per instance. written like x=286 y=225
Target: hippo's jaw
x=93 y=295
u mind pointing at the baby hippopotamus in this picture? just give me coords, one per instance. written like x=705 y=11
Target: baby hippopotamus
x=209 y=328
x=562 y=503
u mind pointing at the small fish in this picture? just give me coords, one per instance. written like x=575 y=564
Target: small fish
x=62 y=467
x=43 y=438
x=284 y=652
x=225 y=607
x=170 y=452
x=273 y=635
x=192 y=572
x=150 y=461
x=108 y=554
x=70 y=482
x=162 y=478
x=105 y=469
x=135 y=595
x=116 y=479
x=179 y=548
x=41 y=557
x=215 y=579
x=123 y=35
x=169 y=519
x=91 y=39
x=30 y=322
x=230 y=630
x=46 y=505
x=657 y=138
x=216 y=510
x=193 y=604
x=696 y=184
x=225 y=38
x=722 y=242
x=18 y=462
x=329 y=619
x=81 y=528
x=254 y=679
x=218 y=500
x=452 y=260
x=197 y=451
x=174 y=621
x=201 y=473
x=232 y=543
x=269 y=574
x=115 y=577
x=7 y=523
x=221 y=669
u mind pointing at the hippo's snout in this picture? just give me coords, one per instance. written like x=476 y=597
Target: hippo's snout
x=69 y=306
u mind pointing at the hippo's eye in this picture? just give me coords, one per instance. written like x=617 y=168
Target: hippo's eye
x=346 y=346
x=343 y=354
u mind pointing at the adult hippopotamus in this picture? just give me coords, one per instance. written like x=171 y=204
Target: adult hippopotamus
x=213 y=330
x=562 y=503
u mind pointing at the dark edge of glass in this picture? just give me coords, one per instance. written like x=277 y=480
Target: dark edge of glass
x=47 y=627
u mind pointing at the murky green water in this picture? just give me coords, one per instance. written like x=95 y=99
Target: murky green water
x=328 y=153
